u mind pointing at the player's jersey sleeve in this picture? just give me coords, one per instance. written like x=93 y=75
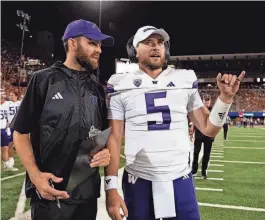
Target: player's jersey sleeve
x=195 y=100
x=116 y=109
x=29 y=112
x=3 y=116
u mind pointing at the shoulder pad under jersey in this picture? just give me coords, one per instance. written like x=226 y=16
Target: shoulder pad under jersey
x=187 y=78
x=121 y=81
x=192 y=78
x=114 y=81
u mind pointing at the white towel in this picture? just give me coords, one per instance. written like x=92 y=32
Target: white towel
x=164 y=201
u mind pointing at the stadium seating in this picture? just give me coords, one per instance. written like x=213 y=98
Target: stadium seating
x=246 y=100
x=251 y=97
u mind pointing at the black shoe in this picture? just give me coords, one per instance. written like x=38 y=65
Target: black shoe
x=204 y=175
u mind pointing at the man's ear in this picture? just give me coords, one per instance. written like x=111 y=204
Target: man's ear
x=73 y=44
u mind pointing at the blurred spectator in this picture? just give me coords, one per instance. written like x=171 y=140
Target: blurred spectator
x=246 y=100
x=15 y=73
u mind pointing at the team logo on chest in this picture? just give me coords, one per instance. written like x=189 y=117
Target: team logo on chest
x=137 y=82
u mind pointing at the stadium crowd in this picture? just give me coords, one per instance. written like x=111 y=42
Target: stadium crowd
x=246 y=100
x=14 y=70
x=15 y=75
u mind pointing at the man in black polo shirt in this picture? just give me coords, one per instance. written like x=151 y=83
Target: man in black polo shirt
x=62 y=108
x=207 y=144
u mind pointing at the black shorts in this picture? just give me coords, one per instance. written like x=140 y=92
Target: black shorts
x=4 y=138
x=48 y=210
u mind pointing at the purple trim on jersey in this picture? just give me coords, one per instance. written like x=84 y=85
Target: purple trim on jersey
x=4 y=138
x=110 y=88
x=139 y=200
x=195 y=85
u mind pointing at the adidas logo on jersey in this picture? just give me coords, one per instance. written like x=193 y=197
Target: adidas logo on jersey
x=107 y=181
x=57 y=96
x=171 y=84
x=221 y=115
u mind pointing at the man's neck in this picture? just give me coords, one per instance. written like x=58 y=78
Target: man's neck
x=152 y=73
x=73 y=64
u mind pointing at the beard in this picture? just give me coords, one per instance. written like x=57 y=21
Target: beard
x=153 y=65
x=84 y=61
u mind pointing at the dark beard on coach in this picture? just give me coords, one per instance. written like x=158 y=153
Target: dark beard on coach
x=85 y=63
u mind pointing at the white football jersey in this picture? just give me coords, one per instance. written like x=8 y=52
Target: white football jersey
x=3 y=115
x=12 y=110
x=157 y=142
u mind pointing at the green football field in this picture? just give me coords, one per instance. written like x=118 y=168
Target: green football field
x=234 y=190
x=11 y=189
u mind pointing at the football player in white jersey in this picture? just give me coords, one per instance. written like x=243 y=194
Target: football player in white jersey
x=4 y=136
x=152 y=104
x=11 y=112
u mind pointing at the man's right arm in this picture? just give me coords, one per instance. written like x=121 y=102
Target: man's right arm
x=25 y=153
x=114 y=145
x=116 y=115
x=25 y=121
x=38 y=178
x=113 y=200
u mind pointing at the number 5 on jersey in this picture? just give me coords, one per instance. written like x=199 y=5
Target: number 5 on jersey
x=151 y=108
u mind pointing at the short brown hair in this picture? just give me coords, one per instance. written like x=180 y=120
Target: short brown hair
x=65 y=45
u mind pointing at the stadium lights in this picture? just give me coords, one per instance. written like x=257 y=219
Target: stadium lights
x=23 y=27
x=258 y=79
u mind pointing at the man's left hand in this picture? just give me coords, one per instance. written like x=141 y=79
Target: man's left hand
x=101 y=159
x=229 y=84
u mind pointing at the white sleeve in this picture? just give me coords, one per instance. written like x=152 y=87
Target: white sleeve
x=116 y=109
x=195 y=100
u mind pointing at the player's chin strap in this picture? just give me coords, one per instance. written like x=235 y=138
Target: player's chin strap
x=111 y=182
x=219 y=113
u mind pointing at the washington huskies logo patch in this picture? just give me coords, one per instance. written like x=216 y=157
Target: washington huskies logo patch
x=137 y=82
